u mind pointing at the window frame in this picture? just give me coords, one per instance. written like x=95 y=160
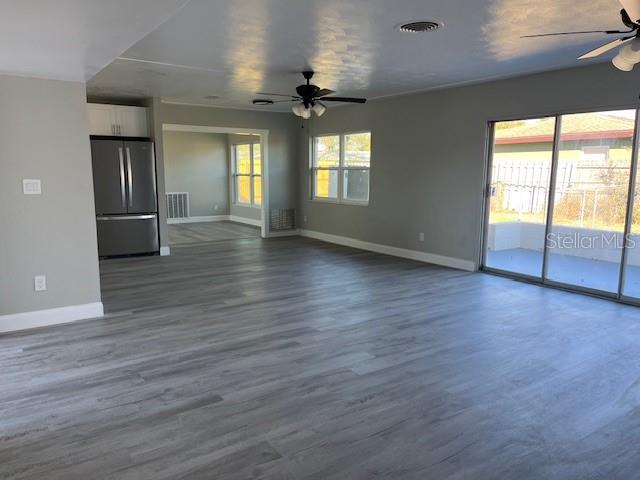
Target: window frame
x=251 y=175
x=340 y=169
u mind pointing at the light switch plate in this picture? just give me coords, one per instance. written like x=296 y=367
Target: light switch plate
x=31 y=186
x=40 y=283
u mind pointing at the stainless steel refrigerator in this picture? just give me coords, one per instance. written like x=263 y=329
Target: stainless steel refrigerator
x=124 y=185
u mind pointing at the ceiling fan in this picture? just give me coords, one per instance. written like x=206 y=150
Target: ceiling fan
x=630 y=54
x=308 y=98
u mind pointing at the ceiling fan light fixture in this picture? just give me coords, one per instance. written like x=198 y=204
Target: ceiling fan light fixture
x=307 y=101
x=298 y=109
x=628 y=56
x=319 y=109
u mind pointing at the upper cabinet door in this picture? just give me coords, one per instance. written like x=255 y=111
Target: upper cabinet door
x=132 y=121
x=102 y=119
x=117 y=120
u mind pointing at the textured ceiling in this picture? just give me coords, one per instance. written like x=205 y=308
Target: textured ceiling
x=73 y=39
x=233 y=49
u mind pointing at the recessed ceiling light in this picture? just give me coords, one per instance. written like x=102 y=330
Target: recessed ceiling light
x=419 y=26
x=211 y=97
x=262 y=101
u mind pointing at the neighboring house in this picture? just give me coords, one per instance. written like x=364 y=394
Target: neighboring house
x=594 y=160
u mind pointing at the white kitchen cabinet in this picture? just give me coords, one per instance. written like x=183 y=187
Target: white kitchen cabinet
x=132 y=121
x=117 y=120
x=102 y=119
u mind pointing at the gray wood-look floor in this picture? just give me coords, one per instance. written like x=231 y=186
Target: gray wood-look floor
x=294 y=359
x=189 y=233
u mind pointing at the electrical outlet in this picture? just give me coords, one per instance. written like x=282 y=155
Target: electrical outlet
x=40 y=283
x=421 y=236
x=304 y=219
x=215 y=207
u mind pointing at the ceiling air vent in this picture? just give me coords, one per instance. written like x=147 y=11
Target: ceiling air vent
x=421 y=26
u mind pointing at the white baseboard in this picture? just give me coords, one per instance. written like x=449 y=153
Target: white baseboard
x=215 y=218
x=53 y=316
x=248 y=221
x=165 y=251
x=201 y=219
x=451 y=262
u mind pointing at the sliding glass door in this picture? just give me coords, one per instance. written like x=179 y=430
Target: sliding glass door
x=590 y=199
x=518 y=192
x=559 y=209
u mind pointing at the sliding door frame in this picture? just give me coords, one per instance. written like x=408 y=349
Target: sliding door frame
x=551 y=196
x=543 y=280
x=486 y=192
x=629 y=219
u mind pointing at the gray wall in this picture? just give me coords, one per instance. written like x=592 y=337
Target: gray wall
x=428 y=155
x=240 y=210
x=283 y=151
x=198 y=163
x=44 y=134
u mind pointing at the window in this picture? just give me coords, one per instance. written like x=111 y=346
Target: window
x=340 y=167
x=247 y=174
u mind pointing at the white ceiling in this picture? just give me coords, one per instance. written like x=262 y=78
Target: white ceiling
x=73 y=39
x=234 y=48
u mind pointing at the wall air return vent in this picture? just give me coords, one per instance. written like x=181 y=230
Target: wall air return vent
x=177 y=205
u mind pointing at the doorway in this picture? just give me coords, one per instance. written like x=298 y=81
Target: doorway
x=562 y=202
x=215 y=181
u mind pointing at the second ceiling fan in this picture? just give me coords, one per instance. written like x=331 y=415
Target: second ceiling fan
x=309 y=98
x=630 y=54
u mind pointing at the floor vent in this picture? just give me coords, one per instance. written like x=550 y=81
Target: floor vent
x=177 y=205
x=283 y=219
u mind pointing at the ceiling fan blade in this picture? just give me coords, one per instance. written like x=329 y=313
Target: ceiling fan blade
x=344 y=99
x=632 y=8
x=324 y=91
x=606 y=47
x=288 y=101
x=604 y=32
x=275 y=95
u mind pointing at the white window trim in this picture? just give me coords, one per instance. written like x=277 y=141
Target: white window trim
x=340 y=200
x=251 y=175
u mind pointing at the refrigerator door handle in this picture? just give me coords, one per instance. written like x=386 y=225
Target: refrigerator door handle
x=104 y=218
x=123 y=192
x=129 y=176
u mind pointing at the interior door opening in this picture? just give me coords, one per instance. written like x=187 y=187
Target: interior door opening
x=214 y=184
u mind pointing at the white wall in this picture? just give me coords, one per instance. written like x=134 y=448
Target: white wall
x=508 y=235
x=44 y=135
x=587 y=243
